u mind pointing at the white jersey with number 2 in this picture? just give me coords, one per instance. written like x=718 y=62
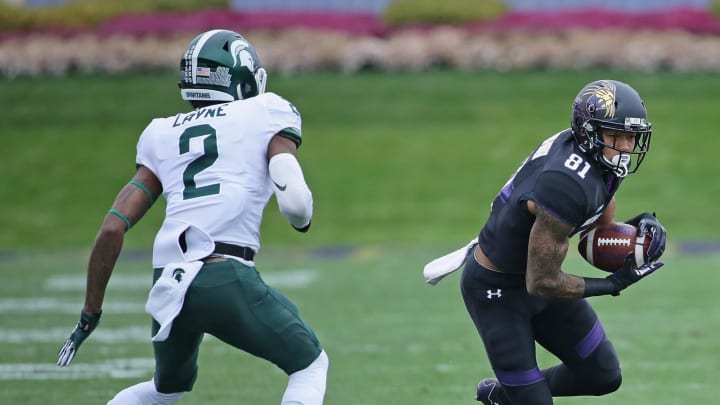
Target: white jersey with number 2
x=213 y=166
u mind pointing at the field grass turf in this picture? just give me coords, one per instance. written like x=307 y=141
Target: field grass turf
x=403 y=167
x=391 y=338
x=419 y=154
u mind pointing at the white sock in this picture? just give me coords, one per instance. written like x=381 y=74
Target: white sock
x=307 y=386
x=144 y=394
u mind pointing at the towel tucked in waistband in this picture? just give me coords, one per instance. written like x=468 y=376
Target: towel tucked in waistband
x=167 y=295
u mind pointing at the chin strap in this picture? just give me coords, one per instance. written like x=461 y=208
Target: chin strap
x=619 y=164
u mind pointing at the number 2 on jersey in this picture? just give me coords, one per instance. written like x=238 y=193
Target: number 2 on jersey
x=209 y=156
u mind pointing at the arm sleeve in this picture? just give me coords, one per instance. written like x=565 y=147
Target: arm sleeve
x=561 y=196
x=293 y=195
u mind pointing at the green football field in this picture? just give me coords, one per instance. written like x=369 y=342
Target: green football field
x=402 y=167
x=391 y=338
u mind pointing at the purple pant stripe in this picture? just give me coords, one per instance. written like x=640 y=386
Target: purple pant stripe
x=591 y=341
x=515 y=378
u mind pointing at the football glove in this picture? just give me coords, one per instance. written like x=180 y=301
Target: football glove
x=648 y=224
x=87 y=323
x=630 y=274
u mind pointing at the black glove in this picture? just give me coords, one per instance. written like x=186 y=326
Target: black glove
x=648 y=224
x=87 y=323
x=630 y=274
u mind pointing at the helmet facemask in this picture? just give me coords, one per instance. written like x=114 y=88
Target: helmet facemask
x=625 y=162
x=261 y=80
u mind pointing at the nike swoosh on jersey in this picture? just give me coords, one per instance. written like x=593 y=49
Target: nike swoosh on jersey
x=281 y=188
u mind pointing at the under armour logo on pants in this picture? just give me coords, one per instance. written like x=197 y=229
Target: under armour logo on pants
x=494 y=294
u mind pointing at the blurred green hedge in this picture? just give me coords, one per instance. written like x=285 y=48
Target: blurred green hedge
x=402 y=12
x=715 y=7
x=90 y=13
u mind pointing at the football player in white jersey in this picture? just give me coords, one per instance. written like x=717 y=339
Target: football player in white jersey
x=217 y=167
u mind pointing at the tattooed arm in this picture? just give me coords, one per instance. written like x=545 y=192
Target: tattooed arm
x=131 y=204
x=547 y=248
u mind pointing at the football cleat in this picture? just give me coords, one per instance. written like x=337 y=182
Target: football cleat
x=488 y=392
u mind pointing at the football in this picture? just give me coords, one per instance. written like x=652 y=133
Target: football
x=605 y=247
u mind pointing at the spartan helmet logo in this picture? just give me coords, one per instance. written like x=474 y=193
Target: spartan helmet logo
x=241 y=55
x=244 y=56
x=178 y=275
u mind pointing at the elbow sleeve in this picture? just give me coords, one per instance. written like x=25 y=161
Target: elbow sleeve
x=293 y=195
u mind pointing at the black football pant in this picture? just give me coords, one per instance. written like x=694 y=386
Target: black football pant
x=510 y=321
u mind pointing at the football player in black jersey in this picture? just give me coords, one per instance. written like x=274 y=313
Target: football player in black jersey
x=512 y=283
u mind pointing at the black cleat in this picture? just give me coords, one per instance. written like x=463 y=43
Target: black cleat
x=488 y=392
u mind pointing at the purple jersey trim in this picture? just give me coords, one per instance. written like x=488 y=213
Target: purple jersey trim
x=554 y=213
x=506 y=192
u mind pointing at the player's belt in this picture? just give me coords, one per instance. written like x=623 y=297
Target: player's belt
x=242 y=252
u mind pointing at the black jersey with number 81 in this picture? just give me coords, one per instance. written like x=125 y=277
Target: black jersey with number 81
x=557 y=176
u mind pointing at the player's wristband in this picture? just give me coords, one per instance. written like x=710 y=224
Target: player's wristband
x=144 y=189
x=600 y=286
x=122 y=216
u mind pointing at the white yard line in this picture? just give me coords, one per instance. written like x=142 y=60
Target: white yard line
x=298 y=278
x=35 y=305
x=294 y=278
x=131 y=334
x=114 y=369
